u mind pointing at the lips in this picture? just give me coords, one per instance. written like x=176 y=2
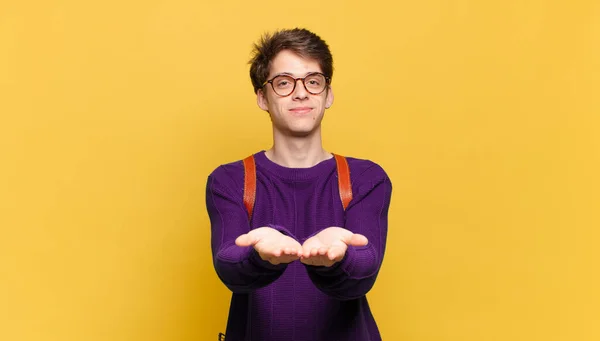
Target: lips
x=301 y=110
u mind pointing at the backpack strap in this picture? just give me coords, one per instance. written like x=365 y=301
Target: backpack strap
x=344 y=184
x=249 y=184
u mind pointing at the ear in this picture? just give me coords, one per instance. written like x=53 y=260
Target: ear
x=329 y=98
x=261 y=100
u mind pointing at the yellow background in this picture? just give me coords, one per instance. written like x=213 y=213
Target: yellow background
x=484 y=113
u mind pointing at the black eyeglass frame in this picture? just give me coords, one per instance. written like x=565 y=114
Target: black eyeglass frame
x=327 y=83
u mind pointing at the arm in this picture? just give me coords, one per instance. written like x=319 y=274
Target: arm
x=241 y=269
x=367 y=215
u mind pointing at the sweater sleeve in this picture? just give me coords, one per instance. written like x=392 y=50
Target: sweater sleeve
x=367 y=214
x=240 y=268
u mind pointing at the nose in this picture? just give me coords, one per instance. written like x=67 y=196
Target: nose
x=300 y=91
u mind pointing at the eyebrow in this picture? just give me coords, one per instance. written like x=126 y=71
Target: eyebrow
x=290 y=74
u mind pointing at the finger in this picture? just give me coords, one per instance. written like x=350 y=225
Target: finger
x=332 y=253
x=322 y=251
x=268 y=250
x=314 y=252
x=291 y=249
x=245 y=240
x=357 y=240
x=336 y=254
x=305 y=249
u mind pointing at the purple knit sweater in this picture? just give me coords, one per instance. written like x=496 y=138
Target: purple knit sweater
x=298 y=302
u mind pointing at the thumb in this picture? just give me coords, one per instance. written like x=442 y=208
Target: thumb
x=357 y=240
x=245 y=240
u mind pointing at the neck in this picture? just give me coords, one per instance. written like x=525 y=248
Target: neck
x=297 y=151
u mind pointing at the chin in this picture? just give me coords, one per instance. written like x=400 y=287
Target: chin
x=303 y=131
x=297 y=133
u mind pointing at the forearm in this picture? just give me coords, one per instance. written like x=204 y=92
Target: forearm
x=367 y=214
x=242 y=270
x=352 y=277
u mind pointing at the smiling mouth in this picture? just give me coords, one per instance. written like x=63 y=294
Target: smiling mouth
x=303 y=110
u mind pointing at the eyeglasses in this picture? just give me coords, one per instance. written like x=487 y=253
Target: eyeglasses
x=284 y=85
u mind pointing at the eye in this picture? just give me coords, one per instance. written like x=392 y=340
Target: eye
x=315 y=81
x=283 y=82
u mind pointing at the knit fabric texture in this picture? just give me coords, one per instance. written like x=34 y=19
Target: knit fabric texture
x=295 y=301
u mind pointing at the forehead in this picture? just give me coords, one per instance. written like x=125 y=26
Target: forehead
x=289 y=62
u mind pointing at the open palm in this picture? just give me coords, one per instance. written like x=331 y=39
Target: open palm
x=272 y=245
x=329 y=246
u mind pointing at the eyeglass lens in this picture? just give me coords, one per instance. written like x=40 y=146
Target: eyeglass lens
x=284 y=85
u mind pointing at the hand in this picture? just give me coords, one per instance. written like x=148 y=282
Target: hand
x=272 y=245
x=329 y=246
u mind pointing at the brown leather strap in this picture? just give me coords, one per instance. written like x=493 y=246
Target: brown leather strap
x=249 y=184
x=344 y=183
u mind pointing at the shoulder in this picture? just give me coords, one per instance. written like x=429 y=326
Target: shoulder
x=365 y=170
x=368 y=178
x=366 y=175
x=228 y=176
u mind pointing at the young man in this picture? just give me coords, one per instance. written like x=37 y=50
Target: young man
x=298 y=234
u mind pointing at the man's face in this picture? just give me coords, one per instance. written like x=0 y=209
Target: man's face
x=300 y=113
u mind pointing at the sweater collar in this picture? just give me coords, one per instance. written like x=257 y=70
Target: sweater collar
x=288 y=173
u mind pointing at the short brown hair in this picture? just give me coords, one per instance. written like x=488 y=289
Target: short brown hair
x=301 y=41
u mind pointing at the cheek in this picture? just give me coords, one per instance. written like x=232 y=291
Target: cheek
x=280 y=108
x=275 y=107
